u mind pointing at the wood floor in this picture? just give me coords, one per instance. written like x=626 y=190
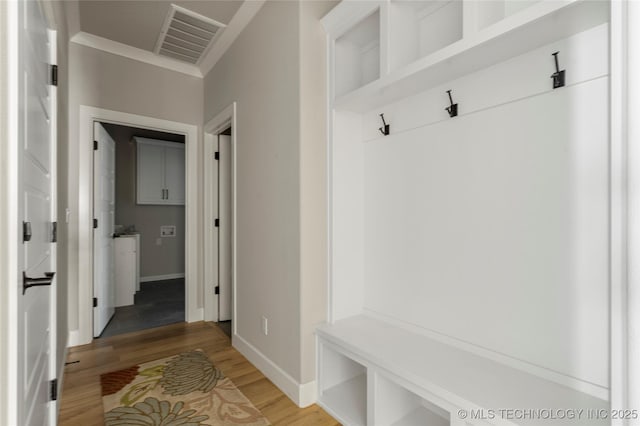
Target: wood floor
x=81 y=402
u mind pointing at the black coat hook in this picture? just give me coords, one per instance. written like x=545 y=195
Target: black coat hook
x=558 y=76
x=385 y=127
x=453 y=108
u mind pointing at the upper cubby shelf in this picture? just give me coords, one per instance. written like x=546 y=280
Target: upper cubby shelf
x=398 y=48
x=357 y=55
x=419 y=28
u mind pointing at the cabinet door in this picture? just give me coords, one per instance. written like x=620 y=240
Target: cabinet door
x=150 y=188
x=174 y=175
x=125 y=266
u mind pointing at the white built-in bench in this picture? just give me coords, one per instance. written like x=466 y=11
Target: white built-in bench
x=376 y=373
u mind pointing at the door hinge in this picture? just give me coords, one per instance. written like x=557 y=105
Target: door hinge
x=95 y=145
x=53 y=390
x=26 y=231
x=95 y=302
x=217 y=155
x=217 y=222
x=54 y=75
x=217 y=289
x=54 y=232
x=95 y=223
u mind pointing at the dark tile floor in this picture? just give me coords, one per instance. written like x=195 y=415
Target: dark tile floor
x=157 y=303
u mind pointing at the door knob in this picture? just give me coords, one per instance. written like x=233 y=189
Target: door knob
x=34 y=282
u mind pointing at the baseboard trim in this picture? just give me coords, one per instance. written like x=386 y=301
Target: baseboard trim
x=161 y=277
x=308 y=394
x=302 y=395
x=195 y=315
x=73 y=339
x=60 y=375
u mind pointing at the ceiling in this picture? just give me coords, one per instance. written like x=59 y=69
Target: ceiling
x=138 y=23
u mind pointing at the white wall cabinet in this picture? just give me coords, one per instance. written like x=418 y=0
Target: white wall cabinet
x=461 y=246
x=160 y=172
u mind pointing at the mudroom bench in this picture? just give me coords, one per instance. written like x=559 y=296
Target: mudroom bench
x=376 y=373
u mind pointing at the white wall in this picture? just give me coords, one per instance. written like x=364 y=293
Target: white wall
x=492 y=228
x=260 y=71
x=112 y=82
x=275 y=73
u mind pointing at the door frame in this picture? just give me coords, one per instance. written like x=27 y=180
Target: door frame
x=56 y=366
x=222 y=121
x=8 y=212
x=87 y=116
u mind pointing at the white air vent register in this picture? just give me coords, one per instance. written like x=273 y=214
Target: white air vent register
x=186 y=35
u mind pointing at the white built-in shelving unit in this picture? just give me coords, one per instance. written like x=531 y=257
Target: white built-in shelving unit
x=468 y=255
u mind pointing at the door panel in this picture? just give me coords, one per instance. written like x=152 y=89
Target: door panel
x=35 y=185
x=174 y=174
x=150 y=174
x=225 y=246
x=104 y=203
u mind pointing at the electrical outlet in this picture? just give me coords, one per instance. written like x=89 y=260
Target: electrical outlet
x=158 y=241
x=265 y=326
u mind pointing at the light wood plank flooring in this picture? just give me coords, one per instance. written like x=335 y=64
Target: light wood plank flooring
x=81 y=402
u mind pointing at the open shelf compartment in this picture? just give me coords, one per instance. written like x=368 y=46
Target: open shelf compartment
x=343 y=387
x=397 y=406
x=357 y=55
x=490 y=12
x=533 y=26
x=420 y=28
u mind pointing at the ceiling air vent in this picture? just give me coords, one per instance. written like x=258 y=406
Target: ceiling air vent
x=186 y=35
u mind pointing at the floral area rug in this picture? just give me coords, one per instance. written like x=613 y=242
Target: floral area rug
x=182 y=390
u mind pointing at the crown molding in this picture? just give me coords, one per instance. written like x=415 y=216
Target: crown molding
x=240 y=20
x=135 y=53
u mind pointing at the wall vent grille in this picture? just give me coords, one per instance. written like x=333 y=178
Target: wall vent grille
x=186 y=35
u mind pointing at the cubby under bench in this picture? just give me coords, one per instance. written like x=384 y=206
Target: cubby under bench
x=371 y=372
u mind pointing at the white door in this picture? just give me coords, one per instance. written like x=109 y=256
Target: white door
x=36 y=209
x=104 y=205
x=225 y=226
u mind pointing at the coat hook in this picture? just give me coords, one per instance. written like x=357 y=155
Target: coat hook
x=558 y=76
x=385 y=127
x=453 y=108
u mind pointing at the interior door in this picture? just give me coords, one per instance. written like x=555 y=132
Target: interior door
x=225 y=226
x=104 y=205
x=36 y=207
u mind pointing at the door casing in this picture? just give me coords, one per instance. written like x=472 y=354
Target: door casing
x=83 y=222
x=222 y=121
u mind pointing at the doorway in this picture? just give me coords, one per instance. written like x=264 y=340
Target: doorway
x=139 y=242
x=88 y=115
x=224 y=223
x=220 y=213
